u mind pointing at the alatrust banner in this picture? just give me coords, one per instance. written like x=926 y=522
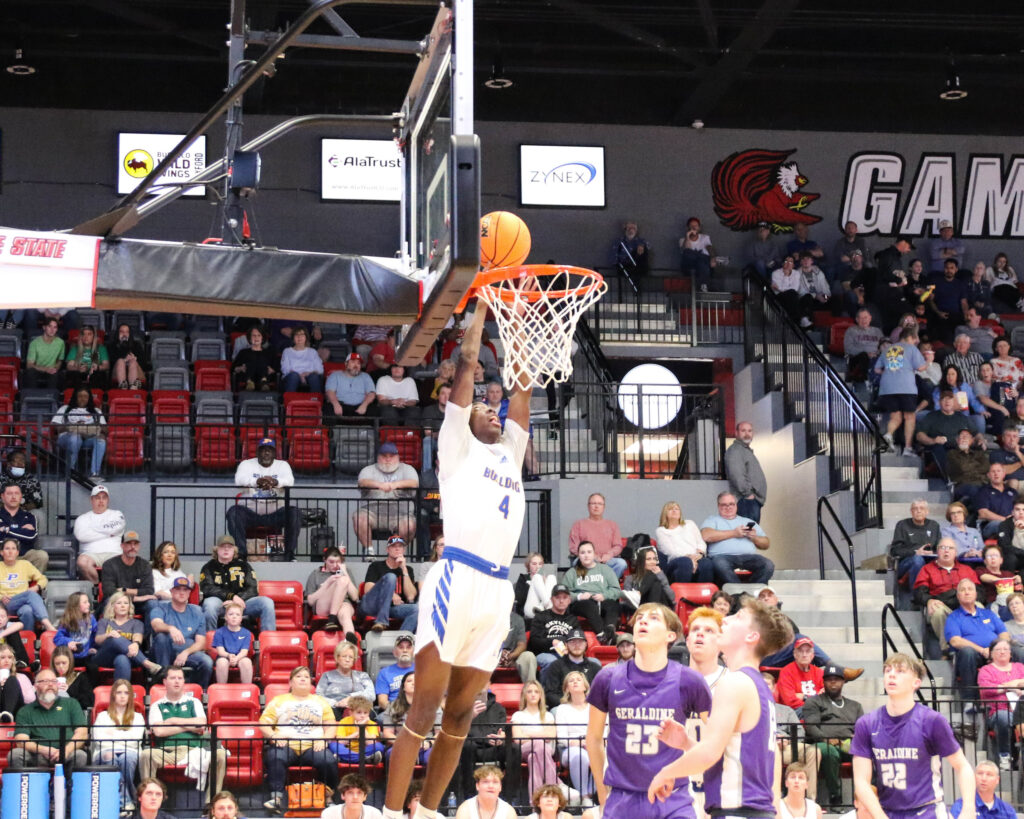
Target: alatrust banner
x=47 y=269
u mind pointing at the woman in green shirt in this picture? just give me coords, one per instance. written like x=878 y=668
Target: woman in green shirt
x=88 y=364
x=595 y=593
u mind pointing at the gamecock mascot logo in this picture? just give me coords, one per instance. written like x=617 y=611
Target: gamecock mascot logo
x=760 y=186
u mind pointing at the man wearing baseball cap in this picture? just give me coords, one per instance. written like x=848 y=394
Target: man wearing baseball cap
x=390 y=590
x=98 y=533
x=801 y=678
x=263 y=503
x=351 y=391
x=573 y=659
x=389 y=678
x=129 y=574
x=828 y=721
x=179 y=634
x=550 y=627
x=388 y=489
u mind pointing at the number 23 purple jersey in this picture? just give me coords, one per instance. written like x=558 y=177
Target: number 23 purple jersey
x=636 y=702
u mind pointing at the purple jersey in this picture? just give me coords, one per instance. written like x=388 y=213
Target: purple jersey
x=907 y=753
x=743 y=777
x=636 y=703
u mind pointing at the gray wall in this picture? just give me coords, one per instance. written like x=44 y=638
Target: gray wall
x=58 y=170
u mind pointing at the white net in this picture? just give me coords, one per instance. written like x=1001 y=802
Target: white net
x=537 y=308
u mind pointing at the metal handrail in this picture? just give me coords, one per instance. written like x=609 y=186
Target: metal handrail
x=888 y=643
x=846 y=564
x=835 y=423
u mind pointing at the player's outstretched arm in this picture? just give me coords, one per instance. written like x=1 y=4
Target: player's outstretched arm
x=965 y=780
x=462 y=384
x=862 y=790
x=595 y=750
x=733 y=695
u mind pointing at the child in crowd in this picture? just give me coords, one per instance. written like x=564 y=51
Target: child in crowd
x=9 y=631
x=347 y=749
x=233 y=645
x=77 y=626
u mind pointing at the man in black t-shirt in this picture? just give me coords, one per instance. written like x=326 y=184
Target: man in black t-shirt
x=550 y=625
x=389 y=589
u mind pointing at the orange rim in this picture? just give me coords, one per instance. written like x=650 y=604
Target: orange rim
x=488 y=278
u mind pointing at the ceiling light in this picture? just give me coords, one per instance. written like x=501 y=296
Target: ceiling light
x=953 y=90
x=20 y=68
x=498 y=80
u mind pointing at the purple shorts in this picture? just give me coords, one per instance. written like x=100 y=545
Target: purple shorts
x=623 y=804
x=936 y=811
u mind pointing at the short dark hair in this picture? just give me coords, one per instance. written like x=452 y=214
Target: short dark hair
x=354 y=780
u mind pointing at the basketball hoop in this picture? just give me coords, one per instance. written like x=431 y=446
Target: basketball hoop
x=537 y=307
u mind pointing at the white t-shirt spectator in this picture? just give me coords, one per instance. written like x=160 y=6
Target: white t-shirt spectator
x=249 y=471
x=405 y=389
x=99 y=534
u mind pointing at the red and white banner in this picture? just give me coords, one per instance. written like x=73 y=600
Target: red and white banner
x=47 y=269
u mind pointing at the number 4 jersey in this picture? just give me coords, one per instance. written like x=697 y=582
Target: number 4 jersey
x=636 y=702
x=907 y=753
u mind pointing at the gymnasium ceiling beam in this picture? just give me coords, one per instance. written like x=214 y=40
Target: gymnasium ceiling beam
x=718 y=79
x=210 y=42
x=707 y=18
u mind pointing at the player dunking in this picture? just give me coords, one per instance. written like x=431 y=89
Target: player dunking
x=465 y=599
x=633 y=699
x=904 y=743
x=736 y=752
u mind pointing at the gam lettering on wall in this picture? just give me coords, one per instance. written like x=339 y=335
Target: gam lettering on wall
x=882 y=196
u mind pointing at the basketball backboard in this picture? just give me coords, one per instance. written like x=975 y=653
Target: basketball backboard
x=441 y=194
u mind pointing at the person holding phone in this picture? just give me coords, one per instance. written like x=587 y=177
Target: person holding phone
x=734 y=542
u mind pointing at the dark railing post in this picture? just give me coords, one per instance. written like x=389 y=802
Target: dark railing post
x=846 y=564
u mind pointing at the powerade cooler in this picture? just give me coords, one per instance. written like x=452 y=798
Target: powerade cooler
x=26 y=794
x=95 y=793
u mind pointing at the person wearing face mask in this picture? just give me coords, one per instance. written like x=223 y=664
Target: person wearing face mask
x=15 y=473
x=262 y=503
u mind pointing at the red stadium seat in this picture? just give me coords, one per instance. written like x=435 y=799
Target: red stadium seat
x=244 y=747
x=508 y=695
x=127 y=421
x=274 y=690
x=211 y=364
x=171 y=409
x=233 y=702
x=303 y=413
x=212 y=380
x=309 y=450
x=315 y=399
x=6 y=414
x=28 y=639
x=606 y=655
x=97 y=396
x=287 y=597
x=101 y=694
x=156 y=395
x=9 y=370
x=215 y=446
x=280 y=652
x=690 y=596
x=46 y=647
x=7 y=733
x=142 y=395
x=836 y=334
x=409 y=443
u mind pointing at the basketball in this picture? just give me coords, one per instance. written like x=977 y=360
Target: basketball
x=504 y=240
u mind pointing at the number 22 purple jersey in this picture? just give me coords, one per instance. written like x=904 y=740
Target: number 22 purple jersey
x=907 y=753
x=636 y=703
